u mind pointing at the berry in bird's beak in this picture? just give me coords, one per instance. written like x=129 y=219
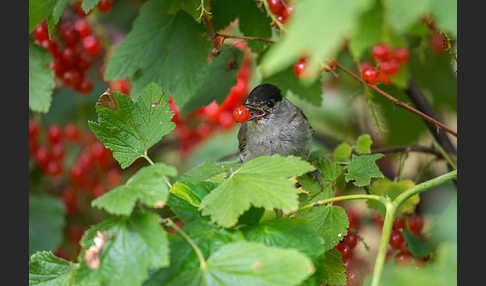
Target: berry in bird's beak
x=255 y=111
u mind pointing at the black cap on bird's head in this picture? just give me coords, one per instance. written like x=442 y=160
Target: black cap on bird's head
x=262 y=99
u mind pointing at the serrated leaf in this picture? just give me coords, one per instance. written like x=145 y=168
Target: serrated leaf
x=88 y=5
x=342 y=152
x=190 y=6
x=417 y=247
x=330 y=221
x=249 y=263
x=193 y=193
x=133 y=245
x=56 y=14
x=385 y=187
x=220 y=77
x=368 y=31
x=148 y=185
x=287 y=233
x=46 y=269
x=38 y=11
x=333 y=272
x=287 y=81
x=182 y=209
x=401 y=14
x=207 y=170
x=175 y=51
x=253 y=20
x=133 y=126
x=363 y=144
x=261 y=182
x=46 y=222
x=41 y=79
x=300 y=37
x=362 y=169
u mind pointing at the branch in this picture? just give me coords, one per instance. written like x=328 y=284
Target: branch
x=436 y=123
x=248 y=38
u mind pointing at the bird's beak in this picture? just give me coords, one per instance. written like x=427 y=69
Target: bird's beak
x=255 y=111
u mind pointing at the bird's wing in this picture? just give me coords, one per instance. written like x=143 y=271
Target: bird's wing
x=242 y=137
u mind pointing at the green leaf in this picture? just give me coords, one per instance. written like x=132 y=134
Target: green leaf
x=333 y=271
x=417 y=247
x=46 y=222
x=368 y=32
x=132 y=246
x=133 y=127
x=88 y=5
x=401 y=14
x=288 y=82
x=362 y=169
x=38 y=11
x=220 y=77
x=56 y=14
x=41 y=79
x=193 y=193
x=190 y=6
x=342 y=152
x=261 y=182
x=46 y=269
x=253 y=20
x=148 y=185
x=330 y=221
x=182 y=209
x=363 y=144
x=175 y=52
x=330 y=170
x=338 y=18
x=287 y=233
x=251 y=216
x=207 y=170
x=385 y=187
x=249 y=263
x=445 y=15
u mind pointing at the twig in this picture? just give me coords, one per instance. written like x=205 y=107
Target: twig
x=398 y=102
x=248 y=38
x=411 y=148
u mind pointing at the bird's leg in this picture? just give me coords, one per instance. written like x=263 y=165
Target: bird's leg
x=316 y=176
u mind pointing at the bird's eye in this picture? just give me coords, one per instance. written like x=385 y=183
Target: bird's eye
x=270 y=103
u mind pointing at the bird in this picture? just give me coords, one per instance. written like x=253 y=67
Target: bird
x=275 y=126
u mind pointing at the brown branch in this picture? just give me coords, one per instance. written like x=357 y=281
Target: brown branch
x=406 y=149
x=247 y=38
x=436 y=123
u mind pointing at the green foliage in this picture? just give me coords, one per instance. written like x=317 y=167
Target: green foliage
x=193 y=193
x=363 y=144
x=340 y=18
x=385 y=187
x=417 y=247
x=369 y=30
x=148 y=185
x=41 y=79
x=287 y=233
x=208 y=171
x=362 y=169
x=133 y=245
x=133 y=126
x=330 y=221
x=342 y=152
x=46 y=269
x=332 y=269
x=261 y=182
x=46 y=222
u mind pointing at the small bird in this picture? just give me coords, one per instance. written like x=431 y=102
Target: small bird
x=275 y=126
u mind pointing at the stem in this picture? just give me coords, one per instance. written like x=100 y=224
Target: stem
x=336 y=199
x=148 y=158
x=391 y=209
x=248 y=38
x=407 y=149
x=202 y=262
x=446 y=156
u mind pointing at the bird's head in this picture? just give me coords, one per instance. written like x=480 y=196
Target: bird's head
x=263 y=100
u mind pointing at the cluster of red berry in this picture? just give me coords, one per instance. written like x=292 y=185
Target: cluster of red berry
x=201 y=123
x=281 y=9
x=104 y=6
x=389 y=64
x=80 y=47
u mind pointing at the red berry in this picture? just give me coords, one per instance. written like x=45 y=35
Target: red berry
x=384 y=78
x=68 y=33
x=79 y=10
x=33 y=146
x=53 y=168
x=415 y=224
x=389 y=67
x=281 y=19
x=75 y=232
x=77 y=173
x=58 y=151
x=401 y=55
x=97 y=151
x=381 y=52
x=345 y=250
x=107 y=161
x=212 y=111
x=105 y=5
x=404 y=258
x=91 y=45
x=85 y=159
x=275 y=6
x=41 y=32
x=399 y=223
x=53 y=47
x=370 y=75
x=120 y=85
x=54 y=134
x=396 y=239
x=439 y=43
x=59 y=67
x=98 y=190
x=82 y=27
x=226 y=120
x=299 y=67
x=69 y=198
x=241 y=114
x=72 y=78
x=84 y=61
x=85 y=86
x=42 y=157
x=351 y=240
x=33 y=128
x=203 y=130
x=71 y=132
x=183 y=132
x=113 y=177
x=69 y=56
x=353 y=218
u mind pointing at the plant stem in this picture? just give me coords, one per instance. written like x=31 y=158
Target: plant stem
x=340 y=198
x=148 y=158
x=391 y=209
x=202 y=262
x=446 y=156
x=248 y=38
